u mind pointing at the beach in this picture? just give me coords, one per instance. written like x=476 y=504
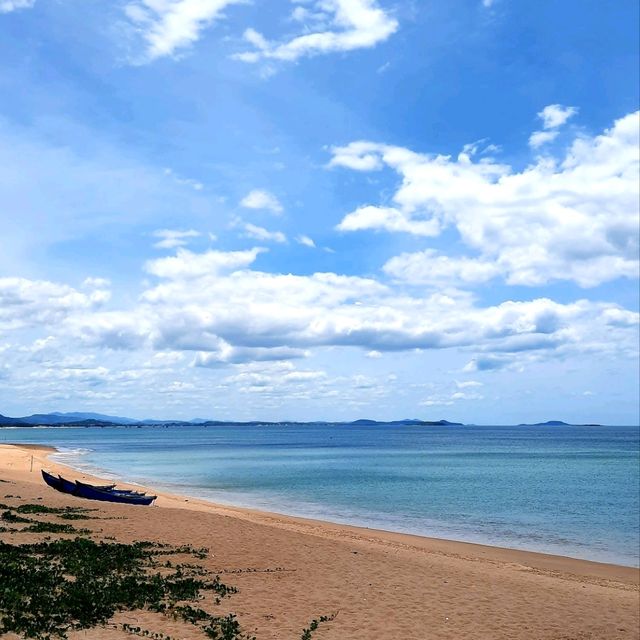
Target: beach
x=375 y=584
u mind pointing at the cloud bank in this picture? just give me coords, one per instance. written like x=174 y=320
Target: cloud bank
x=573 y=217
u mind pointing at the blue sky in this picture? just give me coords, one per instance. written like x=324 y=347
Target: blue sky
x=320 y=209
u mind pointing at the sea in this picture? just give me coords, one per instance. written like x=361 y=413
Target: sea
x=565 y=490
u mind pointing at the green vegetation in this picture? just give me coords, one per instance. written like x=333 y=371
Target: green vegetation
x=35 y=526
x=306 y=633
x=52 y=527
x=50 y=588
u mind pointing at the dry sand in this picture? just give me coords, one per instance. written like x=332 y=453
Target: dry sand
x=382 y=586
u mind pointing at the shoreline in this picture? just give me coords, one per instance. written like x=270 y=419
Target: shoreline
x=93 y=472
x=367 y=583
x=536 y=559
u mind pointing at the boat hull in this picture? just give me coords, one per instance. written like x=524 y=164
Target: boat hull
x=105 y=493
x=91 y=493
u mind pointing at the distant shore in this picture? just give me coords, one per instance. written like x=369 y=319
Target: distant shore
x=384 y=585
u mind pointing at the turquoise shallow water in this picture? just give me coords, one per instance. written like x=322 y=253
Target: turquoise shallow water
x=567 y=490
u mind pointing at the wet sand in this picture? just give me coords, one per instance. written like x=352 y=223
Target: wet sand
x=382 y=586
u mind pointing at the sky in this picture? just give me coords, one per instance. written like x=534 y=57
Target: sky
x=320 y=209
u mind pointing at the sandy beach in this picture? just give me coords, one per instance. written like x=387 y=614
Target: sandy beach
x=377 y=584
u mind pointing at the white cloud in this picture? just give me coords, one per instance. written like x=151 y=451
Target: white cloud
x=214 y=310
x=266 y=382
x=7 y=6
x=26 y=302
x=212 y=303
x=388 y=219
x=305 y=241
x=570 y=218
x=187 y=265
x=333 y=25
x=227 y=354
x=448 y=399
x=167 y=26
x=555 y=115
x=260 y=233
x=428 y=267
x=468 y=384
x=96 y=283
x=261 y=199
x=538 y=138
x=172 y=238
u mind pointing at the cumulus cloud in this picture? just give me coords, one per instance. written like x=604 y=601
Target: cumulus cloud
x=226 y=354
x=211 y=311
x=569 y=218
x=25 y=302
x=7 y=6
x=170 y=25
x=261 y=199
x=260 y=233
x=172 y=238
x=538 y=138
x=553 y=116
x=273 y=381
x=428 y=267
x=213 y=303
x=187 y=265
x=331 y=26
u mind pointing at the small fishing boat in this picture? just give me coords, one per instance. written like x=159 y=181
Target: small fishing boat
x=66 y=486
x=70 y=487
x=114 y=495
x=53 y=481
x=106 y=493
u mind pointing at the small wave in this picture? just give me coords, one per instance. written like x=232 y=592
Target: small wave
x=71 y=452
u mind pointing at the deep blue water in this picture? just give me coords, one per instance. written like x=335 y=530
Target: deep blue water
x=567 y=490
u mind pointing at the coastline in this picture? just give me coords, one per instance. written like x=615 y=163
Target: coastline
x=386 y=585
x=534 y=559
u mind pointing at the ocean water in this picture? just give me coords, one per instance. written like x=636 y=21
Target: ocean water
x=567 y=490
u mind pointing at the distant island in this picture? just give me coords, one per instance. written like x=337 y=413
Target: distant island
x=559 y=423
x=78 y=419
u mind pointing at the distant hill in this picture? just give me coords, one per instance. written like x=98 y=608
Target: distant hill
x=557 y=423
x=86 y=419
x=408 y=421
x=93 y=416
x=65 y=418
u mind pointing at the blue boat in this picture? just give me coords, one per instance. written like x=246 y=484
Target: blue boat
x=66 y=486
x=106 y=493
x=124 y=497
x=54 y=482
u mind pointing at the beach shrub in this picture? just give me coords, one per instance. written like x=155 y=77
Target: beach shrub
x=314 y=624
x=50 y=588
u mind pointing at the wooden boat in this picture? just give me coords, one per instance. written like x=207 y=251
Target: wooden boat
x=53 y=482
x=125 y=497
x=107 y=492
x=66 y=486
x=70 y=487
